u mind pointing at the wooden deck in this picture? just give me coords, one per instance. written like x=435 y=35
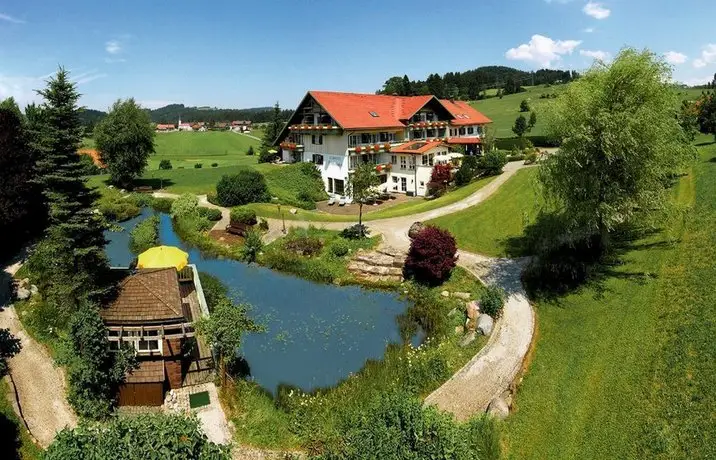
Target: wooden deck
x=201 y=364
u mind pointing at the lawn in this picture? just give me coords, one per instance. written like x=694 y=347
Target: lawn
x=488 y=227
x=626 y=366
x=403 y=209
x=503 y=112
x=185 y=149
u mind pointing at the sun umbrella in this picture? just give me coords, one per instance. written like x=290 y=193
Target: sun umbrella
x=163 y=257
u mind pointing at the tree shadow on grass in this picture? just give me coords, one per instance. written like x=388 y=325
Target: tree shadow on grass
x=9 y=438
x=156 y=183
x=563 y=264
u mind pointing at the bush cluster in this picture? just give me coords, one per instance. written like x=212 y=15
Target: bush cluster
x=114 y=206
x=243 y=215
x=306 y=245
x=492 y=301
x=355 y=232
x=198 y=165
x=212 y=214
x=432 y=256
x=165 y=164
x=144 y=235
x=493 y=162
x=339 y=248
x=246 y=186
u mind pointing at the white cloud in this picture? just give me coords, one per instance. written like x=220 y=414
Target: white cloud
x=542 y=50
x=8 y=18
x=110 y=60
x=596 y=54
x=588 y=30
x=708 y=56
x=596 y=10
x=675 y=58
x=21 y=88
x=88 y=78
x=696 y=81
x=113 y=47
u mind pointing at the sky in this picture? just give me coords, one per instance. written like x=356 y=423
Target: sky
x=240 y=54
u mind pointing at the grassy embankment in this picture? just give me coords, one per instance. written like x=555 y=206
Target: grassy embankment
x=624 y=367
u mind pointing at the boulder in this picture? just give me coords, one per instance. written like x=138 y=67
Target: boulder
x=22 y=293
x=445 y=294
x=498 y=408
x=468 y=339
x=470 y=324
x=462 y=295
x=484 y=324
x=293 y=210
x=33 y=289
x=473 y=310
x=416 y=228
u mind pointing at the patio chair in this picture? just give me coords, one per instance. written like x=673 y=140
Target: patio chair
x=342 y=201
x=331 y=201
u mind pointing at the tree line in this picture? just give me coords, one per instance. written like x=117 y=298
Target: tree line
x=171 y=114
x=472 y=84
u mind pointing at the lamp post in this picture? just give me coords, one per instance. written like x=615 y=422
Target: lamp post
x=283 y=220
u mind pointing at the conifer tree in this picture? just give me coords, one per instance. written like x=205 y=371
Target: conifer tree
x=273 y=129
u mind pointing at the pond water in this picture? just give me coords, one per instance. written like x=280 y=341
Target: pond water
x=316 y=334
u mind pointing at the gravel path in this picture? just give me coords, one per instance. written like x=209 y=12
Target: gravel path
x=40 y=384
x=497 y=364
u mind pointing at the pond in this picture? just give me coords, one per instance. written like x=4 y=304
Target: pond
x=316 y=334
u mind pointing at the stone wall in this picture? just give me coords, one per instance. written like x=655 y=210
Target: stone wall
x=382 y=265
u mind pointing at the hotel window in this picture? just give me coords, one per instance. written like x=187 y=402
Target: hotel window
x=411 y=163
x=430 y=133
x=403 y=162
x=462 y=131
x=470 y=130
x=353 y=140
x=352 y=162
x=387 y=137
x=395 y=179
x=330 y=185
x=338 y=185
x=441 y=132
x=417 y=134
x=317 y=139
x=367 y=138
x=317 y=159
x=394 y=159
x=428 y=159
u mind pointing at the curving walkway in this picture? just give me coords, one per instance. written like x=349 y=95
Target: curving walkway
x=40 y=385
x=497 y=364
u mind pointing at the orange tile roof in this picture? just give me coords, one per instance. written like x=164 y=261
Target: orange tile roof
x=94 y=154
x=463 y=113
x=353 y=110
x=150 y=295
x=418 y=147
x=464 y=140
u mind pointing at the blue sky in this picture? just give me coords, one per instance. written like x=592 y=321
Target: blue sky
x=247 y=54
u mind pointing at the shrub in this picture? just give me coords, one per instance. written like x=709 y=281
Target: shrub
x=165 y=164
x=467 y=171
x=162 y=204
x=186 y=204
x=441 y=174
x=211 y=198
x=212 y=214
x=494 y=161
x=432 y=256
x=250 y=151
x=304 y=244
x=531 y=158
x=355 y=232
x=263 y=225
x=214 y=165
x=247 y=186
x=339 y=248
x=524 y=106
x=144 y=235
x=492 y=301
x=243 y=215
x=252 y=246
x=197 y=165
x=114 y=206
x=175 y=436
x=435 y=189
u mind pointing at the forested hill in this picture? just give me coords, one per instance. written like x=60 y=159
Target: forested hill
x=472 y=84
x=172 y=113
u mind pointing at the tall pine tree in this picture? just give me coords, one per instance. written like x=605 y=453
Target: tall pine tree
x=69 y=264
x=21 y=209
x=273 y=129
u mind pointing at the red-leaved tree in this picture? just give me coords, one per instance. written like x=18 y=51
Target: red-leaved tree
x=432 y=256
x=441 y=174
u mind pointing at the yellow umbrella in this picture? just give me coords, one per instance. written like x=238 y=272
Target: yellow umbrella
x=163 y=257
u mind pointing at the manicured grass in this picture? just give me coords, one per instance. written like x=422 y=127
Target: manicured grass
x=403 y=209
x=503 y=112
x=15 y=442
x=488 y=227
x=627 y=368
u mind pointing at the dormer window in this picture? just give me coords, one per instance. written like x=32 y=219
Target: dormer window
x=373 y=114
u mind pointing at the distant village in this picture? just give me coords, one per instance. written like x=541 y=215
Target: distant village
x=239 y=126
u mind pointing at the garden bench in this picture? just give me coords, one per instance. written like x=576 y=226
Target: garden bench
x=238 y=229
x=143 y=189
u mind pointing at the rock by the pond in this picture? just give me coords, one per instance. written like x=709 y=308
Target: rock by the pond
x=468 y=339
x=498 y=408
x=445 y=294
x=33 y=289
x=484 y=324
x=416 y=228
x=293 y=210
x=22 y=293
x=473 y=310
x=462 y=295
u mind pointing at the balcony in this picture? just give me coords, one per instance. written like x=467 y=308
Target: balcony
x=314 y=128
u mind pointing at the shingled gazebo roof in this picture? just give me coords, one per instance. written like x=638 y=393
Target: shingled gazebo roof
x=147 y=296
